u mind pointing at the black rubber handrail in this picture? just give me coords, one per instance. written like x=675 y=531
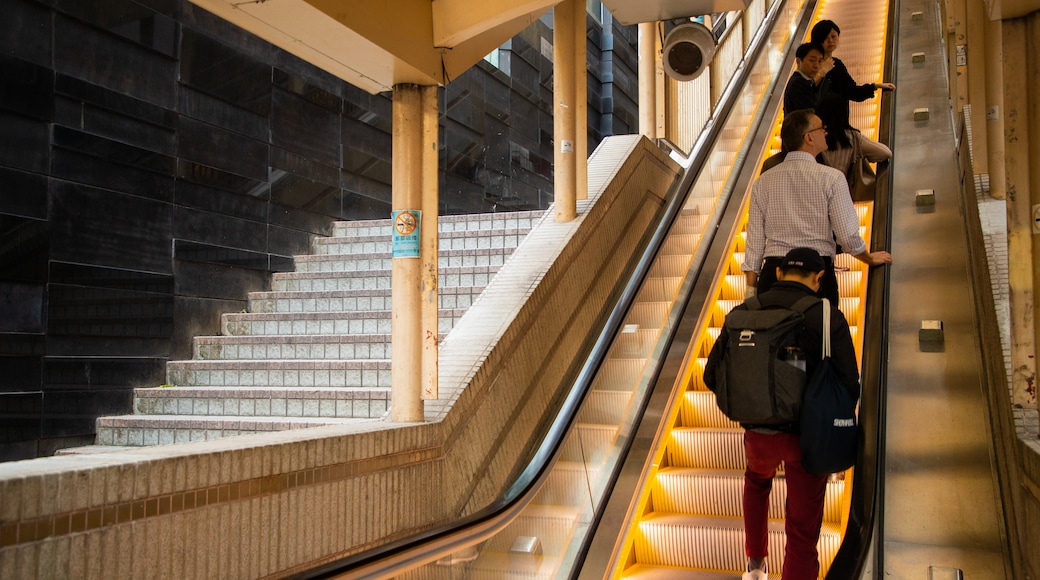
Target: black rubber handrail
x=868 y=480
x=489 y=520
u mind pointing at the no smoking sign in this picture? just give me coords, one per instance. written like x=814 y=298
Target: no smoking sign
x=406 y=233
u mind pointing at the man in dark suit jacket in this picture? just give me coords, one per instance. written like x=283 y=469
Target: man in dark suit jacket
x=802 y=92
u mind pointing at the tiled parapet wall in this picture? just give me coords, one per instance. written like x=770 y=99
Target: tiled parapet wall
x=270 y=504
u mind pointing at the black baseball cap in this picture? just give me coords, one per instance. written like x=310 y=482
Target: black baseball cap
x=806 y=259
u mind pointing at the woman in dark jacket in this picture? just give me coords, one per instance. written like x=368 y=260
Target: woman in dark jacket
x=834 y=113
x=833 y=76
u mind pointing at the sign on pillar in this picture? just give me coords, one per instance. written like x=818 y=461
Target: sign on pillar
x=406 y=233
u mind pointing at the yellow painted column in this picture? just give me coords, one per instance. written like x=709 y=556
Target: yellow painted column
x=564 y=174
x=429 y=242
x=648 y=79
x=1022 y=268
x=977 y=64
x=995 y=108
x=1032 y=79
x=956 y=41
x=405 y=279
x=581 y=103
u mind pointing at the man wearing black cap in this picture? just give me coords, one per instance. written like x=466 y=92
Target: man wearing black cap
x=765 y=447
x=802 y=203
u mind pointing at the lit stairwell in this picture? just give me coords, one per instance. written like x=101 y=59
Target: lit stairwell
x=692 y=516
x=315 y=349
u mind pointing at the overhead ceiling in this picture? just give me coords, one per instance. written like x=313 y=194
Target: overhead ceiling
x=375 y=44
x=1006 y=9
x=635 y=11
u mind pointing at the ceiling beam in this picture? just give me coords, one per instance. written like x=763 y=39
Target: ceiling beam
x=457 y=21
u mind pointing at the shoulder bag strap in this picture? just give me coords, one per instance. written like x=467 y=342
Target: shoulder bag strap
x=826 y=328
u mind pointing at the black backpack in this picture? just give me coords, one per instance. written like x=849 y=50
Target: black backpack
x=753 y=384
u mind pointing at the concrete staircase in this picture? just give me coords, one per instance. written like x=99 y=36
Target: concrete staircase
x=315 y=349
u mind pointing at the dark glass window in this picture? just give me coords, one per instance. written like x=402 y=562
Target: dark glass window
x=221 y=71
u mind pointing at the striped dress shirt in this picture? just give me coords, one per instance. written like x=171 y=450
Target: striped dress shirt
x=799 y=203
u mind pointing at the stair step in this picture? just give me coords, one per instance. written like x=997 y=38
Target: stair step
x=300 y=323
x=553 y=525
x=634 y=343
x=506 y=566
x=280 y=373
x=589 y=443
x=646 y=572
x=451 y=240
x=326 y=281
x=707 y=448
x=719 y=493
x=568 y=484
x=713 y=543
x=605 y=407
x=699 y=409
x=447 y=223
x=384 y=261
x=344 y=300
x=365 y=403
x=294 y=347
x=141 y=430
x=619 y=374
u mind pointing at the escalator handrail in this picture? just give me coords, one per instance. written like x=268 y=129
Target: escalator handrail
x=415 y=550
x=865 y=513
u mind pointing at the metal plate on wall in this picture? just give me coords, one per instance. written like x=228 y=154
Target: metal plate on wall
x=629 y=12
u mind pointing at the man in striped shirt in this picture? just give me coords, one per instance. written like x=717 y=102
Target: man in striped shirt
x=802 y=203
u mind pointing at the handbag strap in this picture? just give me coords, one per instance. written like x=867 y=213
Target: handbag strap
x=826 y=328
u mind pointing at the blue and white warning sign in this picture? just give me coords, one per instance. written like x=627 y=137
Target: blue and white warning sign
x=406 y=233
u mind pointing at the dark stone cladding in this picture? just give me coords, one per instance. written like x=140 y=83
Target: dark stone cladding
x=157 y=163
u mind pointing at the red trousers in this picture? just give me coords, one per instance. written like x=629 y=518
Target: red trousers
x=804 y=509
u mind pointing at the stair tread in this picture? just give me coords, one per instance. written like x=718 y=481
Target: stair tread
x=649 y=572
x=669 y=519
x=166 y=419
x=441 y=252
x=515 y=565
x=384 y=272
x=355 y=293
x=295 y=338
x=325 y=315
x=262 y=391
x=288 y=364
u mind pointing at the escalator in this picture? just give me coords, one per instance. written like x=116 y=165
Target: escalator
x=686 y=497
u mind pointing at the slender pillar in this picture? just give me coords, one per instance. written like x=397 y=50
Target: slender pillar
x=957 y=43
x=564 y=184
x=977 y=64
x=994 y=108
x=406 y=318
x=648 y=79
x=429 y=243
x=581 y=103
x=1021 y=261
x=1031 y=49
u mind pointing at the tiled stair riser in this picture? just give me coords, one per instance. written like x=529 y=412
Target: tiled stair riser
x=214 y=402
x=329 y=347
x=268 y=302
x=337 y=281
x=313 y=374
x=375 y=262
x=319 y=323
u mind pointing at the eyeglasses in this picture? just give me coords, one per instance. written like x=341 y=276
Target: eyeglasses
x=820 y=128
